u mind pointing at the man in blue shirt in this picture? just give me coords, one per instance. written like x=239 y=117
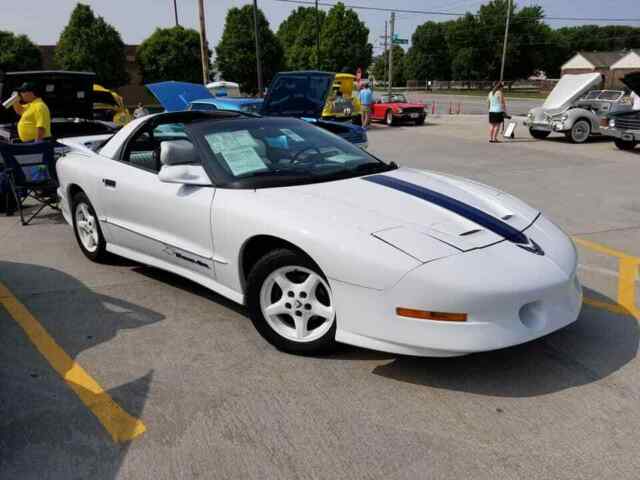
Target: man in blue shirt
x=366 y=99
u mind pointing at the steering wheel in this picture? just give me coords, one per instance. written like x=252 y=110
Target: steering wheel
x=294 y=158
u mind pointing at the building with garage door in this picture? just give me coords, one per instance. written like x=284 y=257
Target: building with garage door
x=612 y=65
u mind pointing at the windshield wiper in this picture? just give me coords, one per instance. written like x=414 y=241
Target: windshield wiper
x=373 y=167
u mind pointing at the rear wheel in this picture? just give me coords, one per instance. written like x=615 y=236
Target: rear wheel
x=580 y=132
x=625 y=144
x=291 y=304
x=539 y=134
x=389 y=118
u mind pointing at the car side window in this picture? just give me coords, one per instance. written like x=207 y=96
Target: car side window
x=143 y=150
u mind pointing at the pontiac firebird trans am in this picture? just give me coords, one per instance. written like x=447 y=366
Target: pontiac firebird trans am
x=320 y=240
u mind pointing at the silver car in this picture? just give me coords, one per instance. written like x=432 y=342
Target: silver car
x=574 y=109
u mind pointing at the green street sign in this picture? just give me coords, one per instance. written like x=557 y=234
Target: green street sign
x=400 y=41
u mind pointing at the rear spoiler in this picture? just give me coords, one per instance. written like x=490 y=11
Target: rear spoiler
x=84 y=145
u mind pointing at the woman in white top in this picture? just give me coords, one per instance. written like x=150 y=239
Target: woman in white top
x=497 y=108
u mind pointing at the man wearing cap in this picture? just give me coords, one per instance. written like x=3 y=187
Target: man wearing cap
x=35 y=119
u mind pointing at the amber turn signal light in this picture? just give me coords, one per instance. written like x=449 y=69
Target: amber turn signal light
x=425 y=315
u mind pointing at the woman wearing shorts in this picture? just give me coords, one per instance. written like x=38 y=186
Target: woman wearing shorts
x=496 y=111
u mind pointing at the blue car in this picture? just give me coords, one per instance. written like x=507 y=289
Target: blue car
x=291 y=94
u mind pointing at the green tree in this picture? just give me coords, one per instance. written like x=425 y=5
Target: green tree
x=380 y=66
x=236 y=56
x=17 y=53
x=297 y=35
x=428 y=57
x=344 y=41
x=90 y=43
x=171 y=54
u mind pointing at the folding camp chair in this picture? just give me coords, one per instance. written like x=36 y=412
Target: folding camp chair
x=31 y=173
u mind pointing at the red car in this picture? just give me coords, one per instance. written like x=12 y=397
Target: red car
x=395 y=108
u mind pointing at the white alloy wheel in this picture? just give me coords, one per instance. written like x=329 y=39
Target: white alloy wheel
x=87 y=227
x=297 y=304
x=389 y=117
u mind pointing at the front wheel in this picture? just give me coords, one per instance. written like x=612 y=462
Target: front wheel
x=420 y=121
x=580 y=132
x=539 y=134
x=290 y=303
x=389 y=118
x=87 y=229
x=625 y=144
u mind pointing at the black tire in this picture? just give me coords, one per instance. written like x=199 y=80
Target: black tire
x=388 y=118
x=259 y=274
x=539 y=134
x=420 y=121
x=625 y=144
x=580 y=131
x=356 y=120
x=100 y=254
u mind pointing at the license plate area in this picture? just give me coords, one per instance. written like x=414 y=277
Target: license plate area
x=414 y=115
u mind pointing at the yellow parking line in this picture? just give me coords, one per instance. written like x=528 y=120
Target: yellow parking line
x=628 y=267
x=121 y=426
x=596 y=247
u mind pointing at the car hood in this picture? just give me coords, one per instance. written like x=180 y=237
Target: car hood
x=632 y=81
x=176 y=96
x=569 y=89
x=298 y=94
x=67 y=94
x=405 y=220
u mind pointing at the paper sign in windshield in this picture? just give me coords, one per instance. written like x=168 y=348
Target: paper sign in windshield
x=344 y=157
x=292 y=135
x=243 y=160
x=221 y=142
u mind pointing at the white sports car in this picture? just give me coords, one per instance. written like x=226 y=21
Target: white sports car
x=320 y=240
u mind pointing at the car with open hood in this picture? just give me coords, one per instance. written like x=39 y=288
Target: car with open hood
x=321 y=241
x=291 y=94
x=395 y=108
x=69 y=96
x=343 y=102
x=575 y=109
x=109 y=106
x=624 y=127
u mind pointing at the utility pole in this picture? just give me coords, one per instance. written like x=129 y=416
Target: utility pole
x=317 y=37
x=393 y=26
x=175 y=12
x=255 y=34
x=506 y=34
x=384 y=55
x=204 y=50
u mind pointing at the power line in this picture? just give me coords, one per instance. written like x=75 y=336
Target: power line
x=460 y=14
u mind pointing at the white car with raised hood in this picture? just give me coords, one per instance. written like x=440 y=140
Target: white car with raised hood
x=320 y=240
x=574 y=109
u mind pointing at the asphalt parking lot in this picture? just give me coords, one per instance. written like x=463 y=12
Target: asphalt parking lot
x=122 y=371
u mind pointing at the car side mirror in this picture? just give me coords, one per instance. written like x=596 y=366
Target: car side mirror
x=185 y=175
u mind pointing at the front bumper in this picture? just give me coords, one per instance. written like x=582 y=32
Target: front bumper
x=409 y=116
x=551 y=126
x=626 y=135
x=511 y=296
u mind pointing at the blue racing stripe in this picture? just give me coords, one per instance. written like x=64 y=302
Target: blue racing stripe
x=469 y=212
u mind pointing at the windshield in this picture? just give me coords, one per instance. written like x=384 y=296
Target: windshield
x=398 y=98
x=270 y=152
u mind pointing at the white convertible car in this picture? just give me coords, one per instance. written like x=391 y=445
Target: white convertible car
x=320 y=240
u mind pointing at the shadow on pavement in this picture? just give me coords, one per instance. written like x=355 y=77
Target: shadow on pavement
x=594 y=347
x=46 y=431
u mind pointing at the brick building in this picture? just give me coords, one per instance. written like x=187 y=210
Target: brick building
x=132 y=93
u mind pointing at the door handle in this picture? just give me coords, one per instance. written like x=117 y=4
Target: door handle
x=109 y=183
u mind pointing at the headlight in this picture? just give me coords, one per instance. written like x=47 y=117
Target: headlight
x=612 y=123
x=564 y=118
x=530 y=116
x=399 y=110
x=425 y=110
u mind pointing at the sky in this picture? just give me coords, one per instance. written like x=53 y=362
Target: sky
x=43 y=20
